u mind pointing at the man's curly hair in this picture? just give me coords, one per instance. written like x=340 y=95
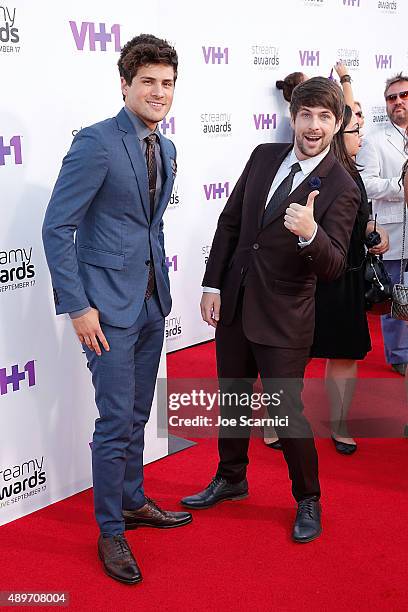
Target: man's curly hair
x=143 y=50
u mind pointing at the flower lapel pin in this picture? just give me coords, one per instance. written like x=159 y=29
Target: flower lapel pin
x=314 y=182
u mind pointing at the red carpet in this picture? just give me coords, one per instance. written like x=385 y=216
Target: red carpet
x=238 y=555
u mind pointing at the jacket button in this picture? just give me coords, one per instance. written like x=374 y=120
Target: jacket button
x=310 y=258
x=255 y=246
x=147 y=262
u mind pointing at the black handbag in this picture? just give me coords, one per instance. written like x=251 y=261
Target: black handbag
x=378 y=285
x=399 y=308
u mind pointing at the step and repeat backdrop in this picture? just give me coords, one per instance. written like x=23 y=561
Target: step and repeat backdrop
x=59 y=74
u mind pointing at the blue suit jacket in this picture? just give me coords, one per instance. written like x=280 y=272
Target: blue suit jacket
x=102 y=194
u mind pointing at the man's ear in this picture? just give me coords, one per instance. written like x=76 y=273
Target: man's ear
x=124 y=86
x=292 y=121
x=338 y=126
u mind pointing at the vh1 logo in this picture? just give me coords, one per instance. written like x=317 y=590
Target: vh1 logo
x=88 y=31
x=215 y=55
x=309 y=58
x=12 y=150
x=265 y=122
x=172 y=262
x=216 y=190
x=168 y=125
x=383 y=61
x=16 y=377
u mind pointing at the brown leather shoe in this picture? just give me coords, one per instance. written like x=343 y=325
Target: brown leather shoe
x=150 y=515
x=118 y=560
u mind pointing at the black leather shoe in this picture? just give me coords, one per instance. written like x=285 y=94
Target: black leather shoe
x=307 y=525
x=343 y=447
x=150 y=515
x=277 y=445
x=217 y=491
x=118 y=560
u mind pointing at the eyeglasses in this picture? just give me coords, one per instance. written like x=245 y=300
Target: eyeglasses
x=403 y=95
x=355 y=131
x=359 y=114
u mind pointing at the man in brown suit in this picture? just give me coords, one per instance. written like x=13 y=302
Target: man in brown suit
x=272 y=243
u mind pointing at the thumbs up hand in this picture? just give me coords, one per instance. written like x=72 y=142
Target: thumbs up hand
x=300 y=219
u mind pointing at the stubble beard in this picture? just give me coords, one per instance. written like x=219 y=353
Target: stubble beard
x=400 y=120
x=303 y=150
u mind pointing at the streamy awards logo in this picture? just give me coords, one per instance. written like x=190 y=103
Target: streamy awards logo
x=379 y=115
x=265 y=57
x=216 y=125
x=21 y=481
x=313 y=3
x=17 y=269
x=205 y=252
x=174 y=328
x=9 y=33
x=175 y=198
x=387 y=7
x=349 y=57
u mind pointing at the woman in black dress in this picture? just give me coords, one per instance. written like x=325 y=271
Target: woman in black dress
x=341 y=329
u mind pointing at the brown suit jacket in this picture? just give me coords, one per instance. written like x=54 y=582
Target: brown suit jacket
x=280 y=277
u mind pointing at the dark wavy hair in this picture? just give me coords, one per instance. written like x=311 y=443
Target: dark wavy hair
x=143 y=50
x=318 y=91
x=339 y=146
x=289 y=83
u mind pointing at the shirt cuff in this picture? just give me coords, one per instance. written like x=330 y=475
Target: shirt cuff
x=78 y=313
x=211 y=290
x=302 y=242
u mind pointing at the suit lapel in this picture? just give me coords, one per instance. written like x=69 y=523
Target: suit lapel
x=131 y=142
x=302 y=191
x=270 y=173
x=394 y=138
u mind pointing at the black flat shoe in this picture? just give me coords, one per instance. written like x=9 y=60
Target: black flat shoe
x=275 y=445
x=343 y=447
x=308 y=524
x=218 y=490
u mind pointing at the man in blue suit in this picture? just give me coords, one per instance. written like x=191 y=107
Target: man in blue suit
x=111 y=277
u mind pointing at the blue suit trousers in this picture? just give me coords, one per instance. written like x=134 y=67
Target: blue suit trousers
x=124 y=379
x=395 y=332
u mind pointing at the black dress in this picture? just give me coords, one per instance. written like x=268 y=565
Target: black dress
x=341 y=328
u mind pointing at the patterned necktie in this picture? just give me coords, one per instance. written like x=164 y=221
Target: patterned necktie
x=152 y=173
x=281 y=193
x=151 y=169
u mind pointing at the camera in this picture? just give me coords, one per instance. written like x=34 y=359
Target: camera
x=372 y=239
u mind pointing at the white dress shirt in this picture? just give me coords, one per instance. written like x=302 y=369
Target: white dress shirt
x=307 y=166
